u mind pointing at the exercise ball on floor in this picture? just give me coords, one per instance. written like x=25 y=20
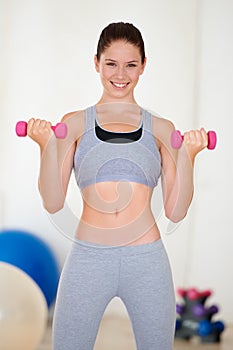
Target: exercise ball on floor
x=23 y=310
x=32 y=255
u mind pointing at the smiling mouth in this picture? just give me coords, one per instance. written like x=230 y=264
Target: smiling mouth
x=119 y=85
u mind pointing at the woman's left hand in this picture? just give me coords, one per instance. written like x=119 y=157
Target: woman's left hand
x=195 y=141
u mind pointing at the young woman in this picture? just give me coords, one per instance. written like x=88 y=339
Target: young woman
x=118 y=151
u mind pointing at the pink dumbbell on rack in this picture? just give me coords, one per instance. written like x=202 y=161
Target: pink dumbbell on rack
x=60 y=129
x=177 y=139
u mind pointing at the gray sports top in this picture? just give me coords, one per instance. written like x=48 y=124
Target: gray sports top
x=96 y=160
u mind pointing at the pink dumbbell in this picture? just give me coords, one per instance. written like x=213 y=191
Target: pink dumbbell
x=193 y=293
x=177 y=139
x=60 y=129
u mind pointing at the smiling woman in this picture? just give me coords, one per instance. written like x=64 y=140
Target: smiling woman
x=120 y=67
x=120 y=60
x=118 y=151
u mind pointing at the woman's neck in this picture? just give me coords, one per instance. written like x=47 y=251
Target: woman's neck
x=109 y=100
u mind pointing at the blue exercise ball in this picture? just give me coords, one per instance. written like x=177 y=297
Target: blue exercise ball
x=32 y=255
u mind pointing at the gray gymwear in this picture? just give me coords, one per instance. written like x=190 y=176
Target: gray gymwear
x=98 y=161
x=93 y=275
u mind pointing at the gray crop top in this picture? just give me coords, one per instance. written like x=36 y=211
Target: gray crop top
x=96 y=160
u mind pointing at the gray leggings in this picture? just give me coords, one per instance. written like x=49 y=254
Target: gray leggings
x=93 y=275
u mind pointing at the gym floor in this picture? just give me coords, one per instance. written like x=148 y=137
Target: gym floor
x=116 y=334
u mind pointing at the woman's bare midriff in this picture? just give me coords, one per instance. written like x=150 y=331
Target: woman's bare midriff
x=117 y=213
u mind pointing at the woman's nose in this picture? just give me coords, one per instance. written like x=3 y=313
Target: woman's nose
x=120 y=72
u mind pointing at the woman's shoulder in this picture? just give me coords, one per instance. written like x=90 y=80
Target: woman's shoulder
x=70 y=116
x=162 y=128
x=161 y=124
x=75 y=122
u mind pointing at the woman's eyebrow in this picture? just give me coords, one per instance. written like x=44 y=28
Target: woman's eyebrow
x=110 y=59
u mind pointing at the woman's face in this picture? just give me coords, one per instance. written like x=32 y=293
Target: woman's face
x=119 y=67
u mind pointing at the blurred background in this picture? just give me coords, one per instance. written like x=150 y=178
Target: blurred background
x=47 y=70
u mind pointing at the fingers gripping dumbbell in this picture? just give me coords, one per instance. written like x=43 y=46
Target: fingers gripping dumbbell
x=177 y=139
x=60 y=129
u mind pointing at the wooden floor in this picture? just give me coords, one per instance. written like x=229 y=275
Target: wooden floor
x=116 y=334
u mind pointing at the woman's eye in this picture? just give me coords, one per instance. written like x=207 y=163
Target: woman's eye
x=111 y=64
x=131 y=65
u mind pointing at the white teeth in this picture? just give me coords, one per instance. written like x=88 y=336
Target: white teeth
x=118 y=85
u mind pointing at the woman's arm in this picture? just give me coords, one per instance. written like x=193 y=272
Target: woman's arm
x=56 y=158
x=178 y=168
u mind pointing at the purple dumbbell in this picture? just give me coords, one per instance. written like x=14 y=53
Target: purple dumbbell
x=180 y=309
x=212 y=310
x=60 y=129
x=198 y=310
x=177 y=139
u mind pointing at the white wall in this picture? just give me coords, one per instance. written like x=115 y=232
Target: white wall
x=47 y=50
x=211 y=258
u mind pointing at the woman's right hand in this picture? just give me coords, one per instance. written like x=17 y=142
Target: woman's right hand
x=39 y=131
x=195 y=141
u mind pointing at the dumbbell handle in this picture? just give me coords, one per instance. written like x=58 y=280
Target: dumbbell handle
x=177 y=139
x=60 y=129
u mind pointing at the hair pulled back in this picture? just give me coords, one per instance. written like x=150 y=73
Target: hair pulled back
x=120 y=31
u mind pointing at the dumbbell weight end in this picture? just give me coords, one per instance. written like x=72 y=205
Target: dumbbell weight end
x=60 y=129
x=177 y=139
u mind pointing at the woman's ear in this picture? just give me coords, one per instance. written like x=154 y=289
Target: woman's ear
x=143 y=65
x=96 y=64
